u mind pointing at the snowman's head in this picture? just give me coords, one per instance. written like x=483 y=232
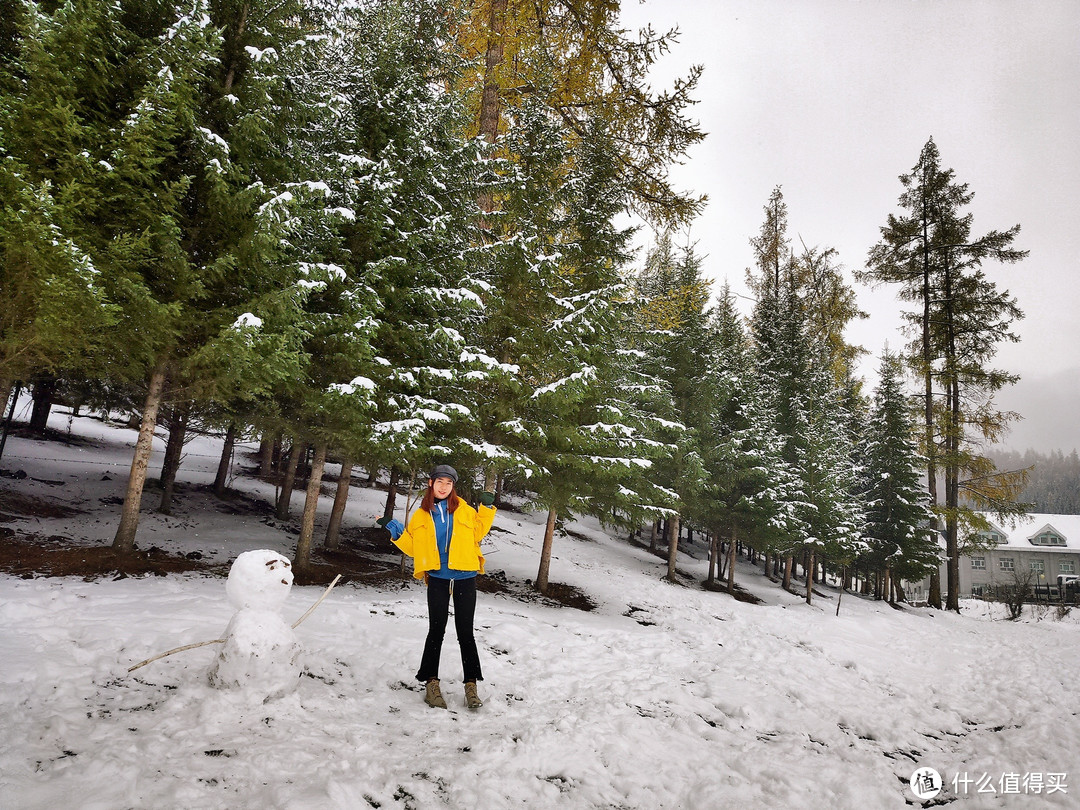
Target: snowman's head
x=259 y=579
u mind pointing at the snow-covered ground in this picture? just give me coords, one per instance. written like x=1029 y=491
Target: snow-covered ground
x=662 y=697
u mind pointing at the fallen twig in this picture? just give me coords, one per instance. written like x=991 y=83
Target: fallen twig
x=326 y=593
x=178 y=649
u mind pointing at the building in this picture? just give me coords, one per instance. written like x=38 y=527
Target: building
x=1043 y=550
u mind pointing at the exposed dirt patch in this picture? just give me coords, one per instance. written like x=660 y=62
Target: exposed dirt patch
x=740 y=594
x=23 y=431
x=30 y=556
x=14 y=504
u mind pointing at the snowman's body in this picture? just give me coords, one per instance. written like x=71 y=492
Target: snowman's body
x=261 y=654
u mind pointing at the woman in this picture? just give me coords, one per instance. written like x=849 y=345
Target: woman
x=443 y=538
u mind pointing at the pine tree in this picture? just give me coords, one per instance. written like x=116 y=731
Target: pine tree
x=551 y=411
x=803 y=366
x=679 y=347
x=209 y=207
x=54 y=308
x=899 y=525
x=931 y=253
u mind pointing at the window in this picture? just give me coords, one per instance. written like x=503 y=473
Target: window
x=1006 y=564
x=1066 y=568
x=1037 y=566
x=978 y=563
x=1049 y=539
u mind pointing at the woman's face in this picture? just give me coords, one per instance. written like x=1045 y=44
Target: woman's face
x=442 y=487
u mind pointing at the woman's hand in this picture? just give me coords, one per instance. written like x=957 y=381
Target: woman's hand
x=395 y=527
x=487 y=498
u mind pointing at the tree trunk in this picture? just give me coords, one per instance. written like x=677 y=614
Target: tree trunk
x=341 y=497
x=933 y=594
x=712 y=555
x=174 y=449
x=731 y=563
x=843 y=585
x=8 y=417
x=391 y=493
x=887 y=586
x=44 y=391
x=952 y=497
x=810 y=576
x=5 y=392
x=225 y=463
x=266 y=456
x=124 y=542
x=788 y=561
x=545 y=552
x=673 y=547
x=289 y=479
x=311 y=505
x=488 y=124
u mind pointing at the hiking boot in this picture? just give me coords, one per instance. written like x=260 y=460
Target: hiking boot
x=472 y=700
x=433 y=696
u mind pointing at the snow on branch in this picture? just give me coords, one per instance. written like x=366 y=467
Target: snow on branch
x=587 y=373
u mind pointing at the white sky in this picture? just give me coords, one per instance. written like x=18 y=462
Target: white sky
x=834 y=99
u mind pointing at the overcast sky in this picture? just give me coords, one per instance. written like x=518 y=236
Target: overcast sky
x=833 y=99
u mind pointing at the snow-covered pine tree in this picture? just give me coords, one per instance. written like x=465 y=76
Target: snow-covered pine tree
x=899 y=524
x=732 y=501
x=208 y=270
x=551 y=319
x=54 y=309
x=400 y=166
x=679 y=348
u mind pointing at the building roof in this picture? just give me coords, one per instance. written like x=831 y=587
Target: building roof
x=1030 y=526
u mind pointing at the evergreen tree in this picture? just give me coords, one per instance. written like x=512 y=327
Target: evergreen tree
x=931 y=253
x=679 y=346
x=54 y=124
x=899 y=525
x=805 y=386
x=741 y=463
x=387 y=383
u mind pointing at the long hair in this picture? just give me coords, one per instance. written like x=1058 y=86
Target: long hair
x=452 y=500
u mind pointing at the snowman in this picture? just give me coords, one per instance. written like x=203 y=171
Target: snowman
x=261 y=655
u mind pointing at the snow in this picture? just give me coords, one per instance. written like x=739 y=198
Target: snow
x=248 y=320
x=664 y=696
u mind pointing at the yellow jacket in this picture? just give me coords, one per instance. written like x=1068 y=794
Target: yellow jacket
x=470 y=527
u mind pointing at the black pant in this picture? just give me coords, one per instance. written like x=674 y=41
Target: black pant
x=438 y=600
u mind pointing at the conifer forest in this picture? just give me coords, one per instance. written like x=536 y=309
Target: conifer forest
x=403 y=232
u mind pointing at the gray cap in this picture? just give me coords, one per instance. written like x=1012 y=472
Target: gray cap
x=444 y=471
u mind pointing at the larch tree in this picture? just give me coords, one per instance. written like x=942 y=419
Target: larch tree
x=932 y=254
